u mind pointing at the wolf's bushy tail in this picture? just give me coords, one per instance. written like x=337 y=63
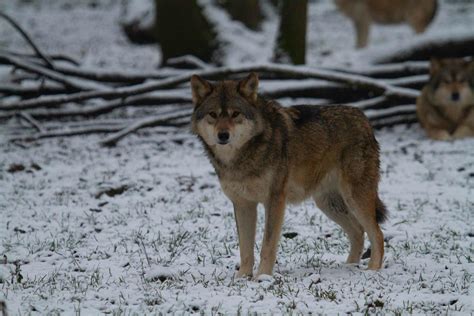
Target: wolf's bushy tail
x=381 y=212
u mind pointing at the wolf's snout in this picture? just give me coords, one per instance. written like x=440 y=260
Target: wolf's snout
x=223 y=137
x=455 y=96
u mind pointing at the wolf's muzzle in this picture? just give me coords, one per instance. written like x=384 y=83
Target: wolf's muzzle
x=223 y=137
x=455 y=96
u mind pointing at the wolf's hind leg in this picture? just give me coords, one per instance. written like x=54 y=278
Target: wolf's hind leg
x=363 y=206
x=246 y=219
x=362 y=27
x=335 y=208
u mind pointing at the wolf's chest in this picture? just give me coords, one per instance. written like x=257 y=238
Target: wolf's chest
x=254 y=189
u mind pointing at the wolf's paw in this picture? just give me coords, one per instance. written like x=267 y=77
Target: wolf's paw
x=462 y=132
x=243 y=274
x=440 y=135
x=263 y=278
x=374 y=266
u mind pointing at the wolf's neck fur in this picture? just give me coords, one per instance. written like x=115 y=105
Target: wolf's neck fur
x=449 y=112
x=247 y=157
x=225 y=153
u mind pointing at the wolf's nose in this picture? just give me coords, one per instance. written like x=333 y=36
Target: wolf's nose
x=455 y=96
x=223 y=137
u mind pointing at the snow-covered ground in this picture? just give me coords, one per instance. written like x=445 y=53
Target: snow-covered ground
x=144 y=228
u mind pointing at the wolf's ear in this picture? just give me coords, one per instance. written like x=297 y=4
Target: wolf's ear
x=201 y=89
x=435 y=65
x=249 y=86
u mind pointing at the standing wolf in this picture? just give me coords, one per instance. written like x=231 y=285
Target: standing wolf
x=265 y=153
x=417 y=13
x=445 y=107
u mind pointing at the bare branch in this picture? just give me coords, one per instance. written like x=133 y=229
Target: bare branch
x=31 y=91
x=148 y=122
x=370 y=103
x=441 y=45
x=354 y=81
x=415 y=82
x=51 y=74
x=28 y=39
x=27 y=117
x=393 y=121
x=400 y=110
x=83 y=131
x=54 y=57
x=187 y=60
x=157 y=98
x=110 y=76
x=396 y=70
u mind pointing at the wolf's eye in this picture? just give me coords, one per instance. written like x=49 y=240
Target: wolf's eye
x=213 y=114
x=235 y=114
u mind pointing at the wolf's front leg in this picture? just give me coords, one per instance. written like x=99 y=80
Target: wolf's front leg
x=438 y=134
x=362 y=26
x=246 y=218
x=274 y=216
x=463 y=131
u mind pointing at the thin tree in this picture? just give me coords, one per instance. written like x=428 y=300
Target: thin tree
x=180 y=27
x=246 y=11
x=291 y=40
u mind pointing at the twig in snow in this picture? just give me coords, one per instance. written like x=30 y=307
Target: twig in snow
x=52 y=74
x=31 y=91
x=25 y=35
x=148 y=122
x=27 y=117
x=154 y=99
x=53 y=57
x=187 y=60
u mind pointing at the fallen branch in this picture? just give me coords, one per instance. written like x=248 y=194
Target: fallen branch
x=414 y=82
x=401 y=110
x=395 y=70
x=186 y=61
x=51 y=74
x=31 y=91
x=27 y=117
x=354 y=81
x=442 y=45
x=408 y=119
x=38 y=52
x=89 y=130
x=148 y=122
x=337 y=93
x=53 y=57
x=370 y=103
x=157 y=98
x=117 y=76
x=65 y=132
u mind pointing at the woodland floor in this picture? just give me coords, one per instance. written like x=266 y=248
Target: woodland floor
x=144 y=227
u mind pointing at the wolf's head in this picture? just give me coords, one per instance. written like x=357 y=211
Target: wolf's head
x=226 y=113
x=452 y=81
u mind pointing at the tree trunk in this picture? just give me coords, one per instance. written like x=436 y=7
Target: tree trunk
x=246 y=11
x=182 y=29
x=291 y=40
